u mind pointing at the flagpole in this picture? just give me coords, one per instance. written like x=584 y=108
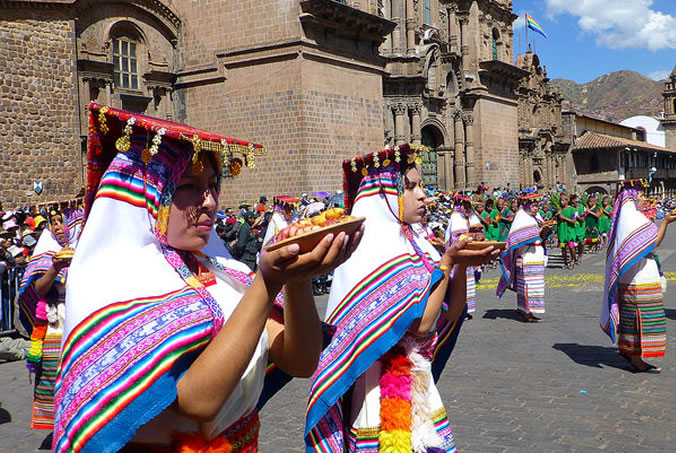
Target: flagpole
x=525 y=21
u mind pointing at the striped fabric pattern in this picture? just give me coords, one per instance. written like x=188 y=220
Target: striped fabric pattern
x=371 y=186
x=643 y=328
x=530 y=287
x=524 y=231
x=125 y=181
x=369 y=321
x=122 y=362
x=627 y=244
x=471 y=290
x=43 y=399
x=443 y=429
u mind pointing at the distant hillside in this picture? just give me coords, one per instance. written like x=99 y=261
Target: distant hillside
x=614 y=96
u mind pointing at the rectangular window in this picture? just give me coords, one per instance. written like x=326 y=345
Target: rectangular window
x=428 y=12
x=125 y=63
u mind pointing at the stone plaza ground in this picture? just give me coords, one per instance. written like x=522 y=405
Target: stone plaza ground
x=557 y=386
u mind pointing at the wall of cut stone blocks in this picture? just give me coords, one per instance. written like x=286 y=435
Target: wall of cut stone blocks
x=39 y=132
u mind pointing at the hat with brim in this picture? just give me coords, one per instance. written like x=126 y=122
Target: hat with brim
x=5 y=234
x=39 y=220
x=9 y=224
x=14 y=250
x=29 y=241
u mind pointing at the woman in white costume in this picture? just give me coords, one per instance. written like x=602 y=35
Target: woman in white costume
x=396 y=310
x=167 y=337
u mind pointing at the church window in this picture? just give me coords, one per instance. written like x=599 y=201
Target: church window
x=125 y=63
x=674 y=110
x=428 y=11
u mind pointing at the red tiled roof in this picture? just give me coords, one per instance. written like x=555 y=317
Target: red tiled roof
x=595 y=140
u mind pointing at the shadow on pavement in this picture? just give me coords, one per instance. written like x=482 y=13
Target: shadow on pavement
x=670 y=313
x=503 y=314
x=591 y=355
x=5 y=417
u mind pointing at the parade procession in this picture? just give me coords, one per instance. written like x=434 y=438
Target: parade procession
x=337 y=226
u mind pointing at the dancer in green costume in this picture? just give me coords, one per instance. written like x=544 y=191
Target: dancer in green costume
x=580 y=212
x=591 y=223
x=504 y=219
x=604 y=220
x=566 y=231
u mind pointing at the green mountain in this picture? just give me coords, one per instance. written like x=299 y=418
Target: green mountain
x=615 y=96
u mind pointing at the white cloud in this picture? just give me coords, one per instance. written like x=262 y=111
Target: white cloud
x=520 y=22
x=620 y=24
x=659 y=75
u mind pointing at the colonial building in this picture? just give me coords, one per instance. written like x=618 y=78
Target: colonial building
x=315 y=81
x=669 y=120
x=605 y=152
x=450 y=84
x=544 y=142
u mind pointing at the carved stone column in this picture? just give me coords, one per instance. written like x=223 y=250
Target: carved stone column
x=464 y=42
x=399 y=135
x=410 y=27
x=453 y=33
x=469 y=149
x=397 y=11
x=416 y=133
x=459 y=161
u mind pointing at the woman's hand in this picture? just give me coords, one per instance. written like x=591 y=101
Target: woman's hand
x=669 y=217
x=285 y=265
x=456 y=254
x=60 y=263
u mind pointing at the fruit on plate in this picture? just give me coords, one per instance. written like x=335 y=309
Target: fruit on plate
x=64 y=253
x=325 y=219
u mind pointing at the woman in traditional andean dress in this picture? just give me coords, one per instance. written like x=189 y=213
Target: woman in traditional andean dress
x=283 y=214
x=458 y=225
x=167 y=337
x=633 y=310
x=41 y=302
x=523 y=261
x=395 y=307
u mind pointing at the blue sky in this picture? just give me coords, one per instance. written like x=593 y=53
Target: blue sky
x=589 y=38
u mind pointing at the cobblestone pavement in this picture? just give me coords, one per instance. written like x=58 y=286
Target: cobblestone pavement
x=557 y=386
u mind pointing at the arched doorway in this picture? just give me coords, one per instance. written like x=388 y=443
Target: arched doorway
x=537 y=177
x=432 y=138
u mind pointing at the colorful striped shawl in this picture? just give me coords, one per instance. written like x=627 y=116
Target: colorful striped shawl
x=632 y=237
x=369 y=321
x=524 y=231
x=120 y=366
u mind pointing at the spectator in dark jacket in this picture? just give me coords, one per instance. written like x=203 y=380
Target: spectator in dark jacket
x=247 y=245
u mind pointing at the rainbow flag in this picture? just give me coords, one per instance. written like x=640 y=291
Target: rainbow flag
x=530 y=23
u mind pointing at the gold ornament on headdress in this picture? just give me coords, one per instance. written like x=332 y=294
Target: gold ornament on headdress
x=197 y=165
x=102 y=120
x=123 y=143
x=154 y=149
x=235 y=166
x=250 y=163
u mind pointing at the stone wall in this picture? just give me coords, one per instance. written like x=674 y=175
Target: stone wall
x=39 y=133
x=495 y=126
x=309 y=116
